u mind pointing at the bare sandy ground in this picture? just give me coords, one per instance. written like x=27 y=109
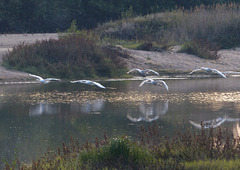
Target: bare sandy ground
x=168 y=60
x=171 y=60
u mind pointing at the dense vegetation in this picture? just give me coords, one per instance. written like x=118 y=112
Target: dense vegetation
x=34 y=16
x=202 y=30
x=205 y=149
x=76 y=55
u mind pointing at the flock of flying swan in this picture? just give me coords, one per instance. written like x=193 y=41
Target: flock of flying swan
x=143 y=73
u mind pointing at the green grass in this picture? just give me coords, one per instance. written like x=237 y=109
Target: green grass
x=213 y=164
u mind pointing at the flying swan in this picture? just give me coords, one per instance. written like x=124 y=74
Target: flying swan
x=89 y=82
x=44 y=81
x=143 y=73
x=209 y=70
x=154 y=82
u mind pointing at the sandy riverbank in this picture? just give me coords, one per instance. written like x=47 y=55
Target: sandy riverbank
x=229 y=60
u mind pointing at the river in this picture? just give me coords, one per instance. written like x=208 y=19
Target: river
x=36 y=118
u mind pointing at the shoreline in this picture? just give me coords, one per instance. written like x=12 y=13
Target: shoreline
x=172 y=63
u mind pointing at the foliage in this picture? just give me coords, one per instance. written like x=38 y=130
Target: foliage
x=201 y=49
x=34 y=16
x=211 y=149
x=72 y=56
x=218 y=25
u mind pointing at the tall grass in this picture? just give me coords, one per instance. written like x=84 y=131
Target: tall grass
x=218 y=24
x=76 y=55
x=212 y=148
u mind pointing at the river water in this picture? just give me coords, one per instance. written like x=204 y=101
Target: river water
x=36 y=118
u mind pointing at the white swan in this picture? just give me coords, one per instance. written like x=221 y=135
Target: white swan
x=210 y=70
x=89 y=82
x=209 y=123
x=154 y=82
x=44 y=81
x=143 y=73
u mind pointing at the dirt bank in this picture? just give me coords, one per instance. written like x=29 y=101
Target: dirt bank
x=168 y=60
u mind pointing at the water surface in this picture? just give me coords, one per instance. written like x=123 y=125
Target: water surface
x=36 y=118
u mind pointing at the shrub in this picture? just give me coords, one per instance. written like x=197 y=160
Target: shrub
x=201 y=49
x=72 y=56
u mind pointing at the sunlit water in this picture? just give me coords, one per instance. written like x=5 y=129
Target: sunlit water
x=36 y=118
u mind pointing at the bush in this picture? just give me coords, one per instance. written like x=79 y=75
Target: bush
x=201 y=49
x=71 y=56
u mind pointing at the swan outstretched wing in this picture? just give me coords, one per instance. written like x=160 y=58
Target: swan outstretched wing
x=199 y=126
x=219 y=123
x=231 y=72
x=164 y=83
x=38 y=77
x=133 y=119
x=149 y=70
x=99 y=85
x=134 y=69
x=79 y=81
x=52 y=79
x=219 y=72
x=144 y=81
x=198 y=69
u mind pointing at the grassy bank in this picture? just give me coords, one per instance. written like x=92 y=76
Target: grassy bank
x=203 y=30
x=216 y=24
x=205 y=149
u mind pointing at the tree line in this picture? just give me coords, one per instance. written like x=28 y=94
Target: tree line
x=34 y=16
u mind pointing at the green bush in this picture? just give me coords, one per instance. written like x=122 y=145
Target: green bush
x=201 y=49
x=76 y=55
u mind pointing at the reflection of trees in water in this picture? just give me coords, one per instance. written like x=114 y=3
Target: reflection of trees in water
x=213 y=123
x=88 y=107
x=149 y=111
x=43 y=108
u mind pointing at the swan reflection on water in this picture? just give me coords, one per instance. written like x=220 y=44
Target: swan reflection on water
x=213 y=123
x=88 y=107
x=43 y=108
x=149 y=112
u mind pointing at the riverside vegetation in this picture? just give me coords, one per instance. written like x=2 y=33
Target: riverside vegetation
x=89 y=54
x=201 y=31
x=204 y=149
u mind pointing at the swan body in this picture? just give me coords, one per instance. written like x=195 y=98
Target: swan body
x=44 y=81
x=143 y=73
x=154 y=82
x=209 y=123
x=210 y=70
x=89 y=82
